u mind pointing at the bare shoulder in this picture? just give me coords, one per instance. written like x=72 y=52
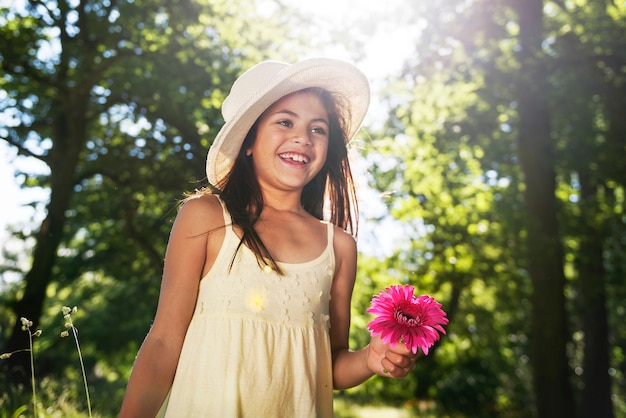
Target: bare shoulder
x=345 y=248
x=343 y=240
x=202 y=202
x=201 y=212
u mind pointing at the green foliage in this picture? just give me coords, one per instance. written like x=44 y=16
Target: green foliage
x=447 y=162
x=456 y=249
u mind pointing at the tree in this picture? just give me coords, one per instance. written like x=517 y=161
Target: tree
x=545 y=253
x=588 y=50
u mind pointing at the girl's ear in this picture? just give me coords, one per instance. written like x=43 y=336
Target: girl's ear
x=248 y=152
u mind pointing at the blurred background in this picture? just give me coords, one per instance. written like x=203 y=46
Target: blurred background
x=491 y=172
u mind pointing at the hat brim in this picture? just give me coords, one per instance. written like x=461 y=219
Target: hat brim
x=336 y=76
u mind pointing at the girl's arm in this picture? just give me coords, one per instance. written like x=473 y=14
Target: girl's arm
x=351 y=368
x=185 y=264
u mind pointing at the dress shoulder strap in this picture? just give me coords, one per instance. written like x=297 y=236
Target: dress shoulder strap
x=227 y=219
x=330 y=233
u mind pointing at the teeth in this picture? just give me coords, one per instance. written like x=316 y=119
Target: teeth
x=295 y=157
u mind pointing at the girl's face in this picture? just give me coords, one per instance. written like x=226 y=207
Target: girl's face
x=291 y=142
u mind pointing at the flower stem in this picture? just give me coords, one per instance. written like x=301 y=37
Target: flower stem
x=82 y=367
x=32 y=371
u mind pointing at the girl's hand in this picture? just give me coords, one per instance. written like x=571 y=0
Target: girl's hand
x=394 y=362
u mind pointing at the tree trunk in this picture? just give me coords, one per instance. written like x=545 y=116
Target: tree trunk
x=553 y=393
x=596 y=394
x=69 y=132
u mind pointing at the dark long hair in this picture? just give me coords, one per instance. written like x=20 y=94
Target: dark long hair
x=332 y=189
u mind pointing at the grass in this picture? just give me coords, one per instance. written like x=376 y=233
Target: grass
x=38 y=409
x=347 y=408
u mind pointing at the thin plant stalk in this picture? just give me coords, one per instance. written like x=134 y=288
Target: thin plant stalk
x=70 y=325
x=26 y=324
x=82 y=368
x=32 y=370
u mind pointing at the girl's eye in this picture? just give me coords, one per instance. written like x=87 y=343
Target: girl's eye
x=286 y=123
x=319 y=130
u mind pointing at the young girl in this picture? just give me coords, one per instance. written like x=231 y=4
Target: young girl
x=254 y=313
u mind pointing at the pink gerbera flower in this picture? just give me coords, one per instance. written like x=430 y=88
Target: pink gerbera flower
x=406 y=318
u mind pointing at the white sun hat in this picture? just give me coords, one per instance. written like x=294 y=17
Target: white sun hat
x=265 y=83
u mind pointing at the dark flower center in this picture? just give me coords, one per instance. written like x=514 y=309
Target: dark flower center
x=406 y=318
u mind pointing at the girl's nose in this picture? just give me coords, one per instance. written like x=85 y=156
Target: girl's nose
x=301 y=137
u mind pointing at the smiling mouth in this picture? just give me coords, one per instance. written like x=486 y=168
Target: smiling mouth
x=299 y=158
